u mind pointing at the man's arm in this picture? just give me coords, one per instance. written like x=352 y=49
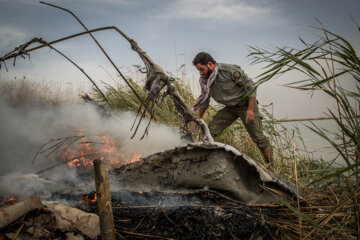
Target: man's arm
x=203 y=107
x=250 y=115
x=244 y=81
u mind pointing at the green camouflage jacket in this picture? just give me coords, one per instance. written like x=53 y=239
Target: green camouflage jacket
x=230 y=86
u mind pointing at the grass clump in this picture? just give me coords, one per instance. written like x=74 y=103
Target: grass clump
x=326 y=65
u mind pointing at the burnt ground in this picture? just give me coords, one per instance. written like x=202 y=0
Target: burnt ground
x=202 y=215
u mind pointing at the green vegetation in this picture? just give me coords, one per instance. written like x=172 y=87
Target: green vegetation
x=328 y=64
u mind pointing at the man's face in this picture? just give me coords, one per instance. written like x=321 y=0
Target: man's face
x=204 y=70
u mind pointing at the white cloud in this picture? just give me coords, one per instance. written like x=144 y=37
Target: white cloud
x=89 y=5
x=27 y=2
x=11 y=37
x=231 y=10
x=95 y=5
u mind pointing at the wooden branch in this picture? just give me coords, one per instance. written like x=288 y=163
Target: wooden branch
x=107 y=226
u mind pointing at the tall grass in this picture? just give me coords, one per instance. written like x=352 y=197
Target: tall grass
x=327 y=65
x=20 y=92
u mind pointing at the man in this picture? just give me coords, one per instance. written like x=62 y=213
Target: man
x=229 y=85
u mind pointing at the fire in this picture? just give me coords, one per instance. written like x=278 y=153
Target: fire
x=92 y=197
x=10 y=200
x=103 y=148
x=84 y=150
x=109 y=145
x=135 y=158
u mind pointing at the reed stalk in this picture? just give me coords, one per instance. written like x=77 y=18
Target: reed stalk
x=317 y=61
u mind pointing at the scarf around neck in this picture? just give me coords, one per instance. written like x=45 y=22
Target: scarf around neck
x=205 y=84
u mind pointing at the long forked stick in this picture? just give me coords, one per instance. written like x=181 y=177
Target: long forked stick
x=102 y=49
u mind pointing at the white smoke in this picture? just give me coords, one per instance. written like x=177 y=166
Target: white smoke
x=25 y=129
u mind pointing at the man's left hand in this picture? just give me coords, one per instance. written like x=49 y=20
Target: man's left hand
x=249 y=115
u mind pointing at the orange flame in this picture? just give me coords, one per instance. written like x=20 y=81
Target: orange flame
x=87 y=199
x=109 y=152
x=10 y=200
x=135 y=158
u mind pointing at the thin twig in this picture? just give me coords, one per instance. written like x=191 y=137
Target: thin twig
x=137 y=126
x=59 y=142
x=19 y=231
x=297 y=185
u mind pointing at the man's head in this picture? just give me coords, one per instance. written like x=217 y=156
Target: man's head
x=205 y=63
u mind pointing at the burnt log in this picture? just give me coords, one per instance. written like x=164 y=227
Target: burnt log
x=69 y=220
x=13 y=212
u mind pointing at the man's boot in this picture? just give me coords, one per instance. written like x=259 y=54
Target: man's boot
x=268 y=155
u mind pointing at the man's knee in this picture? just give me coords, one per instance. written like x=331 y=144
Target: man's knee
x=256 y=133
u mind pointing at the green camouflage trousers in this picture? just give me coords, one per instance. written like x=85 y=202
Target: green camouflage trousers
x=226 y=116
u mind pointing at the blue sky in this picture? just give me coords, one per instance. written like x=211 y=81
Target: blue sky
x=224 y=28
